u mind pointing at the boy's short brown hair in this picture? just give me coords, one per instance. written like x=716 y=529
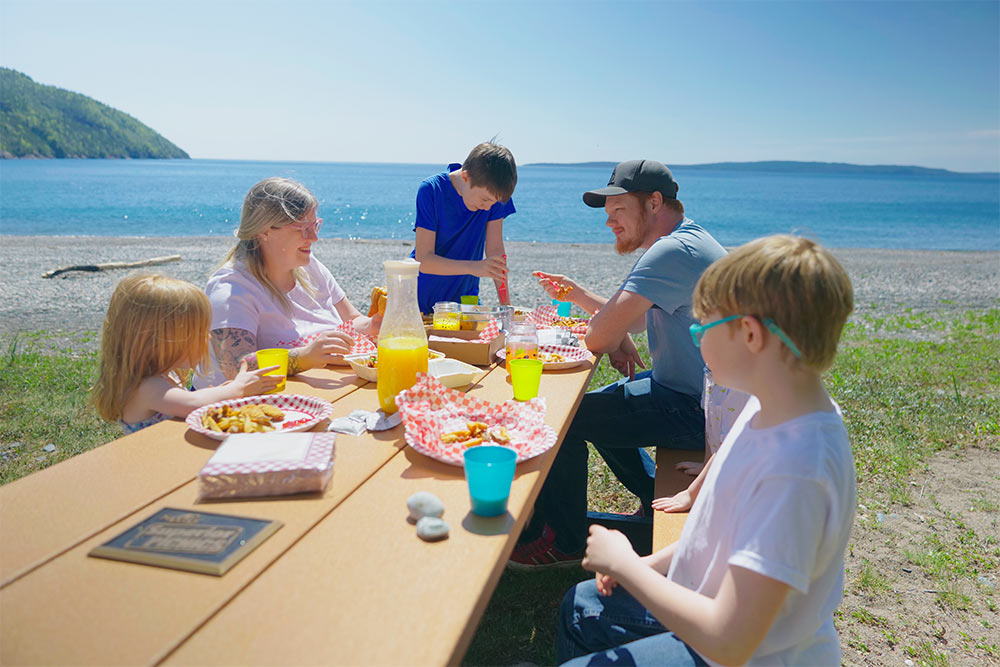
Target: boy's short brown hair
x=794 y=281
x=492 y=166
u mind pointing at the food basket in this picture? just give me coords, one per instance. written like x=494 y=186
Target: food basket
x=431 y=410
x=366 y=365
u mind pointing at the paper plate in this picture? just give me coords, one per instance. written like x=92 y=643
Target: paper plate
x=301 y=412
x=430 y=409
x=574 y=356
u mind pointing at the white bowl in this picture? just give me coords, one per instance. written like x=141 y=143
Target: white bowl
x=452 y=372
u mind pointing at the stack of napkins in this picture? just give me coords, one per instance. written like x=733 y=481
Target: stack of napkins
x=268 y=464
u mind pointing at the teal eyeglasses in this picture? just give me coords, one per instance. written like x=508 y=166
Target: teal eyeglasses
x=698 y=330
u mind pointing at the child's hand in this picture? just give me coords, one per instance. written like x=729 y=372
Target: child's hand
x=556 y=286
x=606 y=549
x=680 y=503
x=492 y=267
x=690 y=467
x=251 y=383
x=605 y=583
x=327 y=348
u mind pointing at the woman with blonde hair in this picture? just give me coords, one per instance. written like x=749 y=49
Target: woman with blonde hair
x=155 y=333
x=272 y=292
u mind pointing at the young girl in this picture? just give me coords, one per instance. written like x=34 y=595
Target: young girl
x=155 y=333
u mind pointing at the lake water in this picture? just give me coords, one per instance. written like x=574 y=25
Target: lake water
x=376 y=201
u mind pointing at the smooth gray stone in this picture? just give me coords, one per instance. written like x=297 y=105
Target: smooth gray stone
x=431 y=528
x=424 y=503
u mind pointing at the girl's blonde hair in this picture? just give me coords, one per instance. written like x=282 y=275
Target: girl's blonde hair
x=153 y=324
x=792 y=280
x=274 y=202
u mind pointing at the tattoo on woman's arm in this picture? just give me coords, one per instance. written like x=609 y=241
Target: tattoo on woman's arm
x=294 y=363
x=231 y=347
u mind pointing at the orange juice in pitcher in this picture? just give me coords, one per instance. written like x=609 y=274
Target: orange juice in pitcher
x=402 y=341
x=399 y=361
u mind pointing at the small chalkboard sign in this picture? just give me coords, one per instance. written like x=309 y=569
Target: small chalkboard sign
x=189 y=540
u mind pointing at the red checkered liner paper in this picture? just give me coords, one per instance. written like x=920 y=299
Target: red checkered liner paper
x=301 y=412
x=544 y=316
x=363 y=343
x=430 y=409
x=251 y=465
x=572 y=356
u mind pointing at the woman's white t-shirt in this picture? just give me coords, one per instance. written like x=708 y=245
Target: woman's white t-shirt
x=780 y=502
x=240 y=301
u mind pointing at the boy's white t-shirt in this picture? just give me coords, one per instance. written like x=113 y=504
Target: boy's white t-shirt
x=722 y=406
x=240 y=301
x=780 y=502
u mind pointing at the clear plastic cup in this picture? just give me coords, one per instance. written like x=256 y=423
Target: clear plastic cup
x=274 y=356
x=525 y=375
x=489 y=471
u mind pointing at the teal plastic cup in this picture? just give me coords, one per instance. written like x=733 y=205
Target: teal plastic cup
x=562 y=307
x=489 y=470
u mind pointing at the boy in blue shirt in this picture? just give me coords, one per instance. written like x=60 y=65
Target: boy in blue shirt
x=459 y=226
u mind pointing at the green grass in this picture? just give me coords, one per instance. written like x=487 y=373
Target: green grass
x=43 y=400
x=903 y=400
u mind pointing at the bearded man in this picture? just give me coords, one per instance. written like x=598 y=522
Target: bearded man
x=660 y=407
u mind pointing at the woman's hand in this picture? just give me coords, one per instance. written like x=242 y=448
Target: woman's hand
x=678 y=503
x=328 y=347
x=251 y=383
x=557 y=286
x=492 y=267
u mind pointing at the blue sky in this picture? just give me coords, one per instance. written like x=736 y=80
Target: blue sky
x=684 y=82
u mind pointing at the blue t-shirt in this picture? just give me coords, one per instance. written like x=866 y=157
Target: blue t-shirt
x=461 y=234
x=666 y=275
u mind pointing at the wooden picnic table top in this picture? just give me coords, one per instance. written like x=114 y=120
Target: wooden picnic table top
x=344 y=581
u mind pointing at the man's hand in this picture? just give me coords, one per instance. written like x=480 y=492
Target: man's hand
x=626 y=358
x=557 y=286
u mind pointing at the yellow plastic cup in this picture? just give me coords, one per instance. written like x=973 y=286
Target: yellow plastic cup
x=274 y=356
x=525 y=375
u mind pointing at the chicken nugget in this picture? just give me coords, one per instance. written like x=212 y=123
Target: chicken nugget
x=273 y=412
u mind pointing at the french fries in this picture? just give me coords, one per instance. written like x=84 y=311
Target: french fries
x=476 y=433
x=257 y=418
x=550 y=357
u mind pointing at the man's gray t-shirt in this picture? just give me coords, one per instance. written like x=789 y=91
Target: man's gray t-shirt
x=666 y=275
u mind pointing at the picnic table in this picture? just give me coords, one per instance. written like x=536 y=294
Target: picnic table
x=344 y=581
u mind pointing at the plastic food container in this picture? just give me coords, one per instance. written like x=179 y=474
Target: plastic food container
x=452 y=372
x=369 y=371
x=474 y=318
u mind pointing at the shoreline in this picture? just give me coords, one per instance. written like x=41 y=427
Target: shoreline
x=886 y=282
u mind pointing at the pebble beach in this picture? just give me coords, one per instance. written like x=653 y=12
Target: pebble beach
x=886 y=282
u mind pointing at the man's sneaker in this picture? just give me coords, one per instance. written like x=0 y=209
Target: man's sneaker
x=541 y=553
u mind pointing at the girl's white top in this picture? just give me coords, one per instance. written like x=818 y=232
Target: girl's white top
x=779 y=502
x=240 y=301
x=722 y=406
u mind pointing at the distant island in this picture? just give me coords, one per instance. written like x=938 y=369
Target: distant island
x=38 y=121
x=791 y=167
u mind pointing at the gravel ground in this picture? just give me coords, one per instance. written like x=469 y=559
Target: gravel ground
x=885 y=281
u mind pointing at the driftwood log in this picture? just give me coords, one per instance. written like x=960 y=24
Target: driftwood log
x=108 y=266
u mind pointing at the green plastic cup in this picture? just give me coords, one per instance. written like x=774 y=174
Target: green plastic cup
x=470 y=299
x=274 y=356
x=525 y=375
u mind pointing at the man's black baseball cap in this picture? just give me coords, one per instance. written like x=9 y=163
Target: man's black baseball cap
x=635 y=176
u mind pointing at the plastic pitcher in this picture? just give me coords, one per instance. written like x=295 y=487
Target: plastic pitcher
x=402 y=341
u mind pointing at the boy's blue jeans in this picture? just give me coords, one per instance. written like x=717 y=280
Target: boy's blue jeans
x=620 y=419
x=615 y=630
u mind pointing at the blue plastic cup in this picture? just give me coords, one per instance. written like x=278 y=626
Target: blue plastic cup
x=489 y=470
x=562 y=307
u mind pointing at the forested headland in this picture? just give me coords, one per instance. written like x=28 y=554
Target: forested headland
x=48 y=122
